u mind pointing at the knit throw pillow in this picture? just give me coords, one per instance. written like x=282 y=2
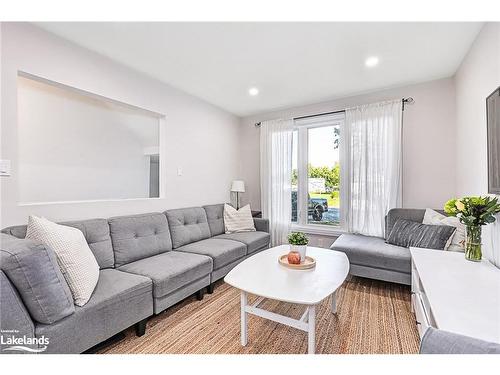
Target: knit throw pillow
x=76 y=261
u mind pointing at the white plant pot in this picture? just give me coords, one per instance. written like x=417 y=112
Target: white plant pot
x=301 y=249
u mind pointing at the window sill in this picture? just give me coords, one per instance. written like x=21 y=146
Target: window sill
x=317 y=229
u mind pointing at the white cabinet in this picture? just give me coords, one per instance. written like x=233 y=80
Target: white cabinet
x=456 y=295
x=419 y=303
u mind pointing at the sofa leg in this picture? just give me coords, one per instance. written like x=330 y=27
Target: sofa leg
x=199 y=294
x=140 y=327
x=210 y=288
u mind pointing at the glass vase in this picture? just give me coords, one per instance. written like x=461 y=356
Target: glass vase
x=473 y=243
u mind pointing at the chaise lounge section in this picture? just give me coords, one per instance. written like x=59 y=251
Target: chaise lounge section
x=148 y=262
x=373 y=258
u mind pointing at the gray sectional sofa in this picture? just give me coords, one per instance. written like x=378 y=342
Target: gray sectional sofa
x=148 y=262
x=373 y=258
x=436 y=341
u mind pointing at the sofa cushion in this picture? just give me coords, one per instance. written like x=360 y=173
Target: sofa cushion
x=137 y=237
x=119 y=300
x=261 y=225
x=220 y=250
x=215 y=217
x=253 y=240
x=15 y=320
x=187 y=225
x=33 y=269
x=436 y=341
x=171 y=271
x=95 y=231
x=373 y=252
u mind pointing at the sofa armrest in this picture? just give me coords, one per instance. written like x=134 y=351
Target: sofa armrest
x=436 y=341
x=262 y=225
x=15 y=321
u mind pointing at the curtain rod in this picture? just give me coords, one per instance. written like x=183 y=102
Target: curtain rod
x=408 y=100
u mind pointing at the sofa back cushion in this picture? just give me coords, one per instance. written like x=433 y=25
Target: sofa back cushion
x=33 y=269
x=187 y=225
x=215 y=218
x=136 y=237
x=96 y=232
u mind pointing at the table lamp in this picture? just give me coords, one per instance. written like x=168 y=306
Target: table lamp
x=238 y=187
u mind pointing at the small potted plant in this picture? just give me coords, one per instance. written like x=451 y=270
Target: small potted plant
x=298 y=243
x=473 y=212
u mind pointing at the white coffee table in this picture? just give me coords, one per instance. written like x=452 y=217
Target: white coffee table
x=264 y=277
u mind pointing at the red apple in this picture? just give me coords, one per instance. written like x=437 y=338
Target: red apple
x=293 y=257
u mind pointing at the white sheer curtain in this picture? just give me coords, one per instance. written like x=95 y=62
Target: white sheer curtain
x=374 y=147
x=275 y=177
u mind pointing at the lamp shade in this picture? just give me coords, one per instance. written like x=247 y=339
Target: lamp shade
x=238 y=186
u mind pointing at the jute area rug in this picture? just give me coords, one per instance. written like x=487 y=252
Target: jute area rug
x=373 y=317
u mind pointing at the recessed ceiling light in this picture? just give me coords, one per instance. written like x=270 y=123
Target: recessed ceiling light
x=372 y=61
x=253 y=91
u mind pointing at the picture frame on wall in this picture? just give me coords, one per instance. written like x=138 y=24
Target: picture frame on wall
x=493 y=131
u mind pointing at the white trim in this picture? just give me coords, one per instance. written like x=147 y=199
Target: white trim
x=302 y=183
x=162 y=144
x=302 y=127
x=89 y=94
x=320 y=229
x=20 y=204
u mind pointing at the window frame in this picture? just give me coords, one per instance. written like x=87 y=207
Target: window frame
x=302 y=126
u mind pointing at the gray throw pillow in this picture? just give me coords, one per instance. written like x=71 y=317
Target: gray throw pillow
x=408 y=233
x=33 y=269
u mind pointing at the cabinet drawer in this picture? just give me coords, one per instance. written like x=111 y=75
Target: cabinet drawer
x=420 y=314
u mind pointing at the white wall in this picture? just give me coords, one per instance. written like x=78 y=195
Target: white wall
x=477 y=77
x=429 y=141
x=73 y=147
x=200 y=138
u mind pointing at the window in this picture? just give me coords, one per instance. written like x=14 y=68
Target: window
x=316 y=172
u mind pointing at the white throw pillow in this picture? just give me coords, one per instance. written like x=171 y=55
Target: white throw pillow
x=457 y=242
x=238 y=220
x=76 y=260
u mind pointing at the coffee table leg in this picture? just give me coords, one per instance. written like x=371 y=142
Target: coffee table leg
x=243 y=319
x=334 y=302
x=311 y=342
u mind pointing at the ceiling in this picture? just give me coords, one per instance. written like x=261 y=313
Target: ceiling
x=290 y=63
